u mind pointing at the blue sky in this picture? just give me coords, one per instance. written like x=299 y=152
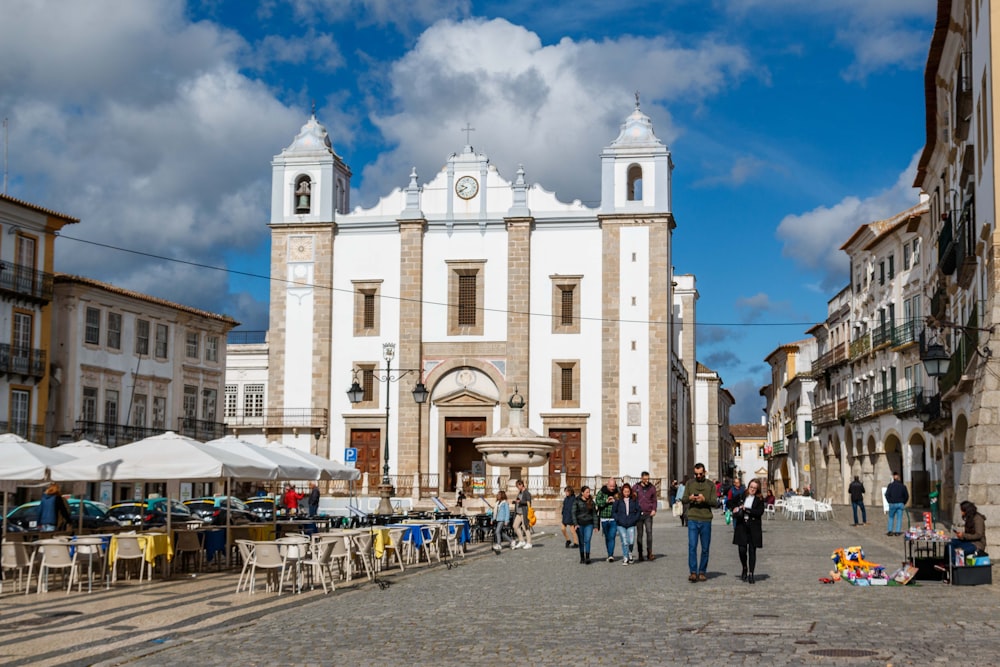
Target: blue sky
x=791 y=123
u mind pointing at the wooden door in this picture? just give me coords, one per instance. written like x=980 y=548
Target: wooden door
x=565 y=457
x=459 y=450
x=368 y=442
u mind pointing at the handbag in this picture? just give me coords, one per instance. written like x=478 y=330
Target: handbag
x=531 y=516
x=677 y=509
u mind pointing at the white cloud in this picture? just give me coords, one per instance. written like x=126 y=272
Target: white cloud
x=813 y=239
x=140 y=124
x=752 y=308
x=546 y=106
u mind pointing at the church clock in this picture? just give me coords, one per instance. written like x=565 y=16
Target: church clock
x=467 y=187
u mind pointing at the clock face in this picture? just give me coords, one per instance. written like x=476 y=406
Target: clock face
x=467 y=187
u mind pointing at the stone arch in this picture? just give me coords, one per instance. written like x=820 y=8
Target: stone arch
x=634 y=179
x=951 y=478
x=918 y=460
x=891 y=461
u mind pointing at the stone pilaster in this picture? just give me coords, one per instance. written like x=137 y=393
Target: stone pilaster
x=660 y=343
x=518 y=307
x=411 y=447
x=320 y=379
x=276 y=319
x=610 y=348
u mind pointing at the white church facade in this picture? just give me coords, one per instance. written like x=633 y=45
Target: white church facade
x=485 y=286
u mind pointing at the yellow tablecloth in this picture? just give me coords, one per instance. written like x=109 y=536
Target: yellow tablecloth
x=261 y=533
x=381 y=540
x=152 y=546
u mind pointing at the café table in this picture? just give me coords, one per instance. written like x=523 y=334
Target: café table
x=153 y=545
x=89 y=546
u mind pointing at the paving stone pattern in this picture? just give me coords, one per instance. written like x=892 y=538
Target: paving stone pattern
x=541 y=607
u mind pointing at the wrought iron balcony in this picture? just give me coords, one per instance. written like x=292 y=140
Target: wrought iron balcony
x=280 y=418
x=778 y=448
x=968 y=340
x=25 y=283
x=882 y=401
x=23 y=361
x=112 y=435
x=246 y=337
x=946 y=247
x=825 y=413
x=861 y=346
x=907 y=400
x=35 y=434
x=861 y=408
x=200 y=429
x=882 y=335
x=907 y=333
x=789 y=428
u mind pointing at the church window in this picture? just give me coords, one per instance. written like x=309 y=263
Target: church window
x=303 y=194
x=565 y=304
x=634 y=183
x=566 y=383
x=465 y=297
x=366 y=307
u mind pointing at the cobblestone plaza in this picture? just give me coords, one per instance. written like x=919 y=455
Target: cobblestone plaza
x=537 y=607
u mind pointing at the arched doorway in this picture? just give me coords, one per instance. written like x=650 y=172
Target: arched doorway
x=920 y=478
x=463 y=403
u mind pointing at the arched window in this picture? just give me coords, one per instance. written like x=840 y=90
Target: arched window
x=634 y=183
x=303 y=194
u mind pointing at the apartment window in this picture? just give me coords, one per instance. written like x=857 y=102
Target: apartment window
x=110 y=406
x=114 y=331
x=20 y=342
x=916 y=251
x=139 y=410
x=881 y=273
x=190 y=402
x=88 y=410
x=566 y=383
x=465 y=297
x=907 y=256
x=20 y=412
x=211 y=348
x=209 y=401
x=565 y=304
x=366 y=307
x=191 y=346
x=161 y=341
x=142 y=337
x=253 y=400
x=892 y=266
x=232 y=399
x=92 y=332
x=159 y=412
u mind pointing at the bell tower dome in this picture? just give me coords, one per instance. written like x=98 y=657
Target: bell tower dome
x=636 y=169
x=309 y=181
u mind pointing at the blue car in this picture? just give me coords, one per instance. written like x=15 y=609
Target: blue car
x=95 y=515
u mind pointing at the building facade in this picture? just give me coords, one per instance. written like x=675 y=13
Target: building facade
x=485 y=286
x=749 y=453
x=27 y=247
x=127 y=365
x=789 y=415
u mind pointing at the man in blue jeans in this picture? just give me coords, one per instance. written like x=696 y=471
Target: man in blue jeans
x=897 y=496
x=605 y=504
x=699 y=501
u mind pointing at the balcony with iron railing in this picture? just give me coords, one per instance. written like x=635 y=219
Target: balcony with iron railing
x=825 y=413
x=280 y=418
x=965 y=246
x=23 y=361
x=779 y=447
x=965 y=349
x=882 y=335
x=200 y=429
x=861 y=408
x=789 y=428
x=34 y=433
x=907 y=400
x=112 y=435
x=25 y=283
x=946 y=246
x=861 y=346
x=239 y=337
x=882 y=401
x=907 y=333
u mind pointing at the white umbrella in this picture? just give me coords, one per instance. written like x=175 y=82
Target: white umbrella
x=289 y=467
x=24 y=461
x=80 y=448
x=330 y=469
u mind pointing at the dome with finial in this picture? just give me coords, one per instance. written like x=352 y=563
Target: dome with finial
x=311 y=138
x=637 y=130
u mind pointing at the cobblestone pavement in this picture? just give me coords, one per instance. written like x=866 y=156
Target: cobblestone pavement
x=537 y=607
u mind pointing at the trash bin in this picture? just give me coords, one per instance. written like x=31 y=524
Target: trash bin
x=933 y=495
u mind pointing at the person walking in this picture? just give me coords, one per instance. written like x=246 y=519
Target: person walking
x=605 y=507
x=645 y=495
x=748 y=509
x=735 y=490
x=313 y=499
x=53 y=512
x=680 y=496
x=522 y=527
x=626 y=513
x=699 y=500
x=857 y=491
x=567 y=518
x=897 y=496
x=585 y=519
x=501 y=517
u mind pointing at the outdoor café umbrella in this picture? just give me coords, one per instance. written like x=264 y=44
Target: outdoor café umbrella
x=329 y=469
x=24 y=461
x=76 y=450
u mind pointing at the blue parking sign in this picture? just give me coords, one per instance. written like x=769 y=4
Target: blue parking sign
x=350 y=454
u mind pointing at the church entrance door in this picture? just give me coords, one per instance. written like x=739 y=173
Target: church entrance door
x=368 y=442
x=459 y=432
x=565 y=457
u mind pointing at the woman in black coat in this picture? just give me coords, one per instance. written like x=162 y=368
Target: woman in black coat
x=748 y=509
x=567 y=518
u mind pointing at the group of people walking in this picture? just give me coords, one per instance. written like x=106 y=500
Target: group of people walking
x=519 y=530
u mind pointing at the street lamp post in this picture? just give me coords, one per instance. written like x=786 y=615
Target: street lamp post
x=356 y=394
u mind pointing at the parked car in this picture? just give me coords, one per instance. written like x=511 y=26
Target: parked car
x=95 y=515
x=262 y=507
x=152 y=512
x=212 y=509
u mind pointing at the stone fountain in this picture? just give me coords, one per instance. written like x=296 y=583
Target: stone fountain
x=515 y=446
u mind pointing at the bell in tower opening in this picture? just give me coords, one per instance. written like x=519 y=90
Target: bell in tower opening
x=302 y=195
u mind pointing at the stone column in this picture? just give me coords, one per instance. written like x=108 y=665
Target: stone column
x=610 y=352
x=322 y=329
x=660 y=343
x=518 y=307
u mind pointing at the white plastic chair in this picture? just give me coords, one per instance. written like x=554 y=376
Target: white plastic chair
x=823 y=509
x=127 y=548
x=246 y=552
x=14 y=558
x=362 y=543
x=55 y=556
x=395 y=547
x=266 y=556
x=319 y=562
x=769 y=511
x=188 y=543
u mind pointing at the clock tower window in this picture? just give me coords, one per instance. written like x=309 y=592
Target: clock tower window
x=634 y=183
x=303 y=194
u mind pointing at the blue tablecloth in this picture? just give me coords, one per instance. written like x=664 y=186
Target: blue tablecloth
x=462 y=527
x=214 y=542
x=411 y=533
x=105 y=541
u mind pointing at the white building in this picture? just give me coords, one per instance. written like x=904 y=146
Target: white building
x=789 y=415
x=485 y=285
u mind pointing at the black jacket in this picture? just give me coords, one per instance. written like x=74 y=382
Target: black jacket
x=896 y=493
x=582 y=515
x=857 y=491
x=746 y=522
